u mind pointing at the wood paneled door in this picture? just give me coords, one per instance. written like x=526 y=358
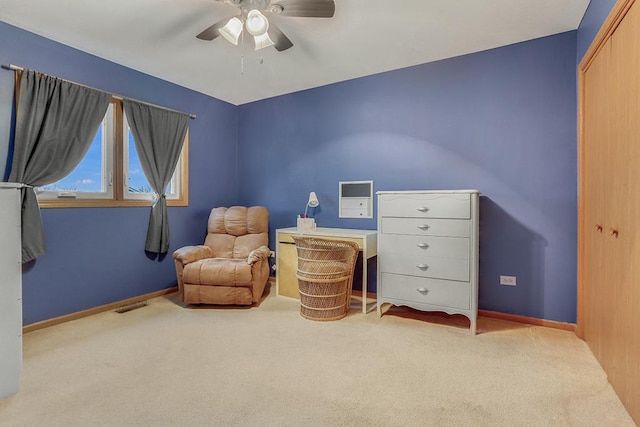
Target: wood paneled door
x=609 y=201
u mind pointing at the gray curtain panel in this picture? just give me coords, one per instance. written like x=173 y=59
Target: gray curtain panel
x=158 y=135
x=55 y=125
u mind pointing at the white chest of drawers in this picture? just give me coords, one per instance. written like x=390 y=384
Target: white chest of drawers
x=428 y=251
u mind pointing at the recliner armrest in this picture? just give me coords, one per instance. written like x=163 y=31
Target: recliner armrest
x=260 y=254
x=189 y=254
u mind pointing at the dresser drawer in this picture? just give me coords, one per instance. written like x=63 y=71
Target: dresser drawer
x=425 y=291
x=451 y=247
x=425 y=205
x=425 y=266
x=425 y=227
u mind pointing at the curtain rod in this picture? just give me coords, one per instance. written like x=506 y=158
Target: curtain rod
x=118 y=97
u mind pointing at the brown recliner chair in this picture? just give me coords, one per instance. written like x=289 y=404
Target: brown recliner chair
x=232 y=266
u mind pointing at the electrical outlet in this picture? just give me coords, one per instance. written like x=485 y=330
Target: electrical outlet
x=508 y=280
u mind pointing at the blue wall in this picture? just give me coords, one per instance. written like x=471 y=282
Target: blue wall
x=96 y=255
x=502 y=121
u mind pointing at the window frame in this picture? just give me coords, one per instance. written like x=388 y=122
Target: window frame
x=118 y=197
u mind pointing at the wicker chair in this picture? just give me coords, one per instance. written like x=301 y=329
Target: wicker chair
x=325 y=275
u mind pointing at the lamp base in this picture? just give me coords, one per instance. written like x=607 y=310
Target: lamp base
x=306 y=224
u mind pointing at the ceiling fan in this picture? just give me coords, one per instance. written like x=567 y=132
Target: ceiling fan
x=265 y=33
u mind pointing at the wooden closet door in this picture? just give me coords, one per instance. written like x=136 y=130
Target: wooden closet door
x=609 y=259
x=625 y=212
x=596 y=165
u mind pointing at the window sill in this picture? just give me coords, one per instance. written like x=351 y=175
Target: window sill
x=102 y=203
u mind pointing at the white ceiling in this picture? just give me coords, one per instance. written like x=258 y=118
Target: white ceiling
x=364 y=37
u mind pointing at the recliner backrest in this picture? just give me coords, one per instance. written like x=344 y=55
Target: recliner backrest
x=235 y=231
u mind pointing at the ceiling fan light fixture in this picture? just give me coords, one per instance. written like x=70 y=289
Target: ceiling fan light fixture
x=232 y=30
x=250 y=18
x=263 y=41
x=257 y=25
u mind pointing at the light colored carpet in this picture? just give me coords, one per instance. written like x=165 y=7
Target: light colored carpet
x=167 y=365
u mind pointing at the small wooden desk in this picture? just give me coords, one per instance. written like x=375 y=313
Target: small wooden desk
x=287 y=257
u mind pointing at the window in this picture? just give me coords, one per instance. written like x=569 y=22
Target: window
x=110 y=174
x=136 y=185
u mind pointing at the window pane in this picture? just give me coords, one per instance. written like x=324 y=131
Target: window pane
x=88 y=176
x=138 y=183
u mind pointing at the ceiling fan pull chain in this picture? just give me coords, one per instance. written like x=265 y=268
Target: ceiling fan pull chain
x=242 y=57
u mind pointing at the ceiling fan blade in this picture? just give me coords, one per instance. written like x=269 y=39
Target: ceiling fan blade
x=305 y=8
x=280 y=41
x=213 y=31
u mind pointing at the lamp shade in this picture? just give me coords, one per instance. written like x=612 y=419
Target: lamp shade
x=232 y=30
x=313 y=200
x=263 y=41
x=256 y=24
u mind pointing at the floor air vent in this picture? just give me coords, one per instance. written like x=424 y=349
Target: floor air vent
x=129 y=307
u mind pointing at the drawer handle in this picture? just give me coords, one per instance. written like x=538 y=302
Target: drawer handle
x=422 y=266
x=423 y=245
x=423 y=209
x=422 y=290
x=423 y=227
